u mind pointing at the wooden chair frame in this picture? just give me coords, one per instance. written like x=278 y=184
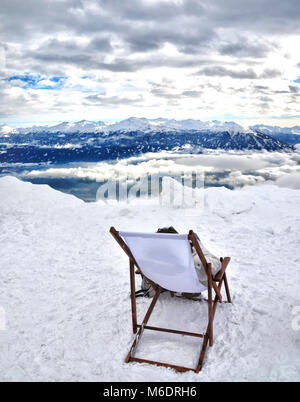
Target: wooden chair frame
x=214 y=285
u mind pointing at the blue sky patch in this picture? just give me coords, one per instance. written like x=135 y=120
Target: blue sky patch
x=31 y=81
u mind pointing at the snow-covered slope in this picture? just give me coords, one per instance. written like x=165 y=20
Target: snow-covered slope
x=6 y=130
x=276 y=129
x=289 y=135
x=65 y=287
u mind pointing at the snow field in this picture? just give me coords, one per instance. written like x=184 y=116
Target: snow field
x=65 y=287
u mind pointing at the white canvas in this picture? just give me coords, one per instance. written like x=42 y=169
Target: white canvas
x=166 y=259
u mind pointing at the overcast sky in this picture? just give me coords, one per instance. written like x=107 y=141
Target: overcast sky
x=111 y=59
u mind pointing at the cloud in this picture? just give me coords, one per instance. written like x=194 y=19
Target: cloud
x=249 y=74
x=195 y=44
x=219 y=71
x=291 y=180
x=233 y=169
x=244 y=48
x=294 y=89
x=169 y=92
x=113 y=100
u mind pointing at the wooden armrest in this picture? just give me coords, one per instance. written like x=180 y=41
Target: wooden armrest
x=218 y=277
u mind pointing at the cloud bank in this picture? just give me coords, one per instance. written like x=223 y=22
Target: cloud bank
x=232 y=169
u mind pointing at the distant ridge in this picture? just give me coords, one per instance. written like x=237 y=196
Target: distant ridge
x=86 y=141
x=289 y=135
x=132 y=124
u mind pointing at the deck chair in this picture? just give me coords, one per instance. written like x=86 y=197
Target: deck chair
x=167 y=263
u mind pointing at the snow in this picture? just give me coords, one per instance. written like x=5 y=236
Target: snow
x=276 y=129
x=141 y=124
x=82 y=126
x=65 y=287
x=5 y=130
x=147 y=125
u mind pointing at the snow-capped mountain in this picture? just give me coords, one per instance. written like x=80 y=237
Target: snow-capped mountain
x=135 y=124
x=97 y=141
x=146 y=125
x=153 y=125
x=276 y=129
x=6 y=130
x=82 y=126
x=289 y=135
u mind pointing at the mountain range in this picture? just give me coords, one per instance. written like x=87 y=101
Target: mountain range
x=95 y=141
x=131 y=124
x=143 y=124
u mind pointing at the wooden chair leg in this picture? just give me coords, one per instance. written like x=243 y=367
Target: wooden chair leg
x=202 y=354
x=145 y=321
x=133 y=297
x=210 y=308
x=227 y=288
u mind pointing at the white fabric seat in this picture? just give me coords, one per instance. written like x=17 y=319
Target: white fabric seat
x=166 y=259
